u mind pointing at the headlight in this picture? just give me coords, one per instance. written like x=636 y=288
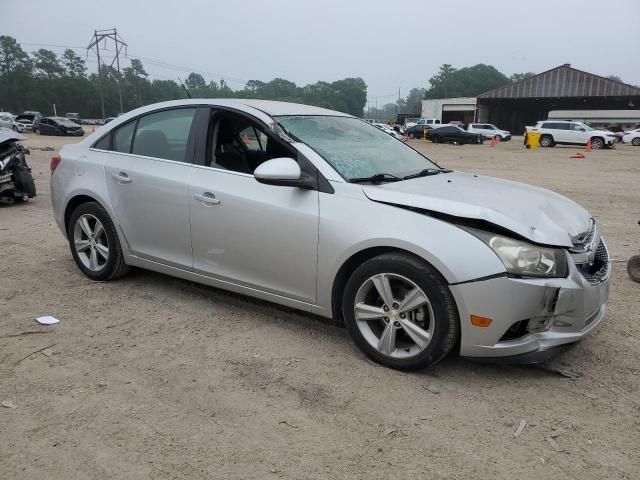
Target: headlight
x=524 y=259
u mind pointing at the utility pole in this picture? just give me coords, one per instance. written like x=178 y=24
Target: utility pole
x=107 y=37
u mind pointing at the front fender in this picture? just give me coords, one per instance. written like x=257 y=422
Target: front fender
x=352 y=223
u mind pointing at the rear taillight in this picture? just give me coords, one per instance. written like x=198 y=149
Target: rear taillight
x=55 y=161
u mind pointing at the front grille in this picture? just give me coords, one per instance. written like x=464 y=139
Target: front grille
x=597 y=271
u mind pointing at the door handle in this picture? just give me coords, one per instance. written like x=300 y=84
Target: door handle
x=121 y=177
x=207 y=198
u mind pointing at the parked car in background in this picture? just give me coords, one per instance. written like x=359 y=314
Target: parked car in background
x=632 y=137
x=388 y=129
x=565 y=132
x=489 y=131
x=326 y=214
x=28 y=119
x=451 y=134
x=57 y=126
x=417 y=131
x=424 y=121
x=74 y=117
x=8 y=121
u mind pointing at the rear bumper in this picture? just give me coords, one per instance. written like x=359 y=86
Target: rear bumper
x=553 y=313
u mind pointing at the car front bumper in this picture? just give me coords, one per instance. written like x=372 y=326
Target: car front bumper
x=558 y=312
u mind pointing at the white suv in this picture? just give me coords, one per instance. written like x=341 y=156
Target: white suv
x=571 y=133
x=489 y=131
x=434 y=122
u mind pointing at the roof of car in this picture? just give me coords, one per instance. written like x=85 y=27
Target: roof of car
x=270 y=107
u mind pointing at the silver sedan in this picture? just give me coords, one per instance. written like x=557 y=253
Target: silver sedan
x=320 y=211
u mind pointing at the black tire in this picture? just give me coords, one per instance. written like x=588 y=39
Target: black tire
x=435 y=139
x=412 y=136
x=597 y=143
x=447 y=323
x=633 y=268
x=636 y=142
x=546 y=141
x=115 y=266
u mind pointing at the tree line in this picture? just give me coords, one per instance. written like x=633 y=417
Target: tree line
x=41 y=79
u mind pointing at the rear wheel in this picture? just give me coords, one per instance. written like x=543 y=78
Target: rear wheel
x=546 y=141
x=636 y=142
x=400 y=312
x=94 y=243
x=597 y=143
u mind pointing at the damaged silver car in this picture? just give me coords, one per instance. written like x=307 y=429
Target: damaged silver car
x=320 y=211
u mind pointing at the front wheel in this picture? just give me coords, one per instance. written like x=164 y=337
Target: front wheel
x=400 y=312
x=597 y=143
x=636 y=142
x=94 y=243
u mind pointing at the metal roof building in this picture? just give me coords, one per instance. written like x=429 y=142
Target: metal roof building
x=562 y=88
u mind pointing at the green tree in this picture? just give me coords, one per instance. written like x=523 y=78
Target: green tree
x=518 y=77
x=195 y=81
x=73 y=64
x=465 y=82
x=46 y=63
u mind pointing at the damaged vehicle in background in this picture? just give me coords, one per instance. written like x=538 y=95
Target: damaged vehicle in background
x=57 y=126
x=321 y=211
x=16 y=181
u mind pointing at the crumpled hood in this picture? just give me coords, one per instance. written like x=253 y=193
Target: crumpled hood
x=537 y=214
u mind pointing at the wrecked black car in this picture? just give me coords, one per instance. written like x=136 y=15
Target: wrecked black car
x=16 y=180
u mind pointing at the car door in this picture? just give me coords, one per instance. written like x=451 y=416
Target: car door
x=578 y=134
x=147 y=171
x=259 y=236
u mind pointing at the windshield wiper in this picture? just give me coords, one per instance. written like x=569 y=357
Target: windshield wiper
x=427 y=172
x=378 y=177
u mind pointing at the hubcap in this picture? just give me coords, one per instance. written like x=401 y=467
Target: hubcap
x=91 y=243
x=394 y=315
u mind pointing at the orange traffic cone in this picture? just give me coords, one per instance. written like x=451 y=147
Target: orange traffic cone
x=93 y=129
x=494 y=141
x=588 y=147
x=577 y=155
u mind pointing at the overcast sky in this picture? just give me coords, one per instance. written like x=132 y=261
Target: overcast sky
x=389 y=44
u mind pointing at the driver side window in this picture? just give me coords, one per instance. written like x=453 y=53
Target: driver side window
x=240 y=145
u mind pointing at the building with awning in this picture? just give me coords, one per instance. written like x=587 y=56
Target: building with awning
x=563 y=88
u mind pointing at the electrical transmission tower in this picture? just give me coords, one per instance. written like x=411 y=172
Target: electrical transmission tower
x=101 y=40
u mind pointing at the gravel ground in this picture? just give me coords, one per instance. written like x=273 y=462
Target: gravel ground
x=154 y=377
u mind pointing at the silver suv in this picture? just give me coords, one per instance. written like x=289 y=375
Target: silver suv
x=566 y=132
x=323 y=212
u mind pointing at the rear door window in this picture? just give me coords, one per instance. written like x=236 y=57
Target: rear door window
x=122 y=138
x=164 y=134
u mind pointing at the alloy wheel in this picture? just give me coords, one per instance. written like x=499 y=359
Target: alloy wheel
x=636 y=141
x=91 y=242
x=596 y=143
x=394 y=315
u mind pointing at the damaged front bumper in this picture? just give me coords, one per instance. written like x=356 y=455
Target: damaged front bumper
x=532 y=319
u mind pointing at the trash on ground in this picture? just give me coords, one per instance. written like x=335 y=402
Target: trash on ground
x=47 y=320
x=8 y=404
x=518 y=432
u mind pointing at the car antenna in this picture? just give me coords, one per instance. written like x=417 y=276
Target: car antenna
x=183 y=87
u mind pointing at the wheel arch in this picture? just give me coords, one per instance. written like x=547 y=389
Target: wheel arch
x=74 y=203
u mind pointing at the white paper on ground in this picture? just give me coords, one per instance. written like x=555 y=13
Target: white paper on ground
x=47 y=320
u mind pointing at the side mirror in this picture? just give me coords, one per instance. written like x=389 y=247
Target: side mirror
x=279 y=171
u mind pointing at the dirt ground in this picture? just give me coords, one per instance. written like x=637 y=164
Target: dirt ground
x=154 y=377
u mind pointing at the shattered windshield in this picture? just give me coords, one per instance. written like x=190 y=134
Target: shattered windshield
x=355 y=148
